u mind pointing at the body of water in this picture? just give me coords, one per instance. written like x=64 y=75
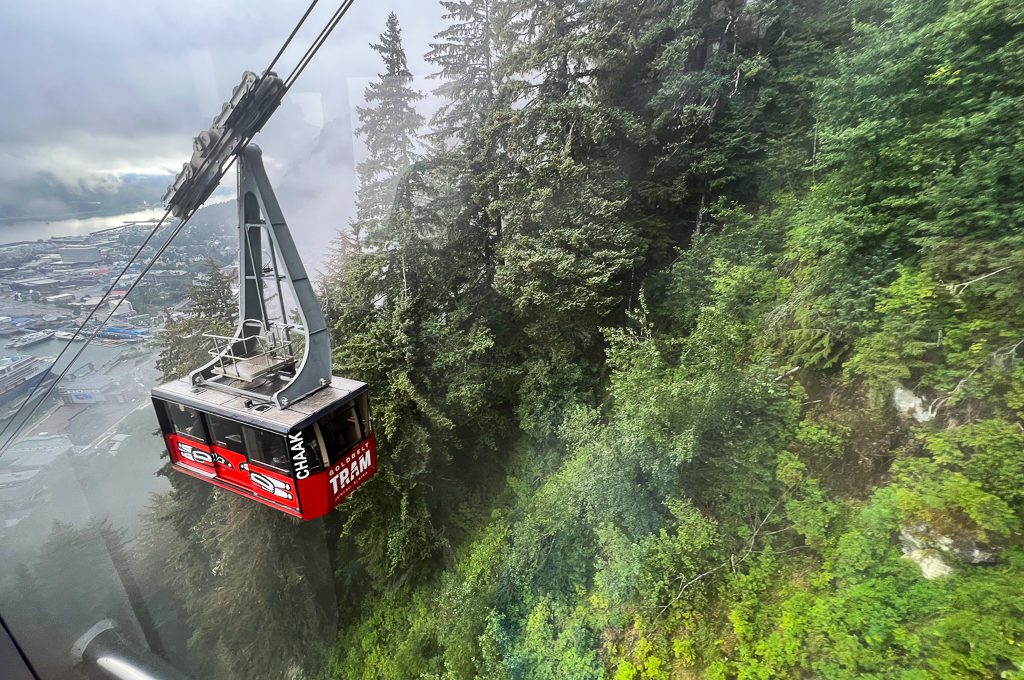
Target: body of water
x=98 y=355
x=32 y=230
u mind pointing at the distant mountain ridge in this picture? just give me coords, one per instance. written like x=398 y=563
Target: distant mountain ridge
x=44 y=196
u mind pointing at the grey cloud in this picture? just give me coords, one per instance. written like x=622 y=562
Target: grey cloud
x=94 y=89
x=127 y=83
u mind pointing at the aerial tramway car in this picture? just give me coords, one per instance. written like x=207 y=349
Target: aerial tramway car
x=264 y=417
x=302 y=460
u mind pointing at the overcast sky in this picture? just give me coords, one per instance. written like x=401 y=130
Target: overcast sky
x=93 y=88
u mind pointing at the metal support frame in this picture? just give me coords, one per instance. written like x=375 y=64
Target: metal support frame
x=259 y=211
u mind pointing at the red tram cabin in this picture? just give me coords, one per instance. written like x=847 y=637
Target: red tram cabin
x=303 y=460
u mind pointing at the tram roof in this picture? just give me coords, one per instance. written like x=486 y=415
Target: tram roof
x=298 y=415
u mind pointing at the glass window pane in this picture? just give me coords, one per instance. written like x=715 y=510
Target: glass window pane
x=311 y=445
x=186 y=421
x=226 y=433
x=266 y=448
x=342 y=430
x=363 y=404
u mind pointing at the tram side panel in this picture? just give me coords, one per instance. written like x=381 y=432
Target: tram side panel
x=325 y=490
x=306 y=474
x=189 y=452
x=274 y=486
x=335 y=456
x=190 y=449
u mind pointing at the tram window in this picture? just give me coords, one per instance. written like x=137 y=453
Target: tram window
x=342 y=430
x=266 y=448
x=185 y=421
x=226 y=433
x=314 y=456
x=364 y=413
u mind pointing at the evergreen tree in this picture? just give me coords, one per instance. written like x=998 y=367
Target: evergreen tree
x=717 y=480
x=466 y=151
x=335 y=267
x=271 y=610
x=211 y=298
x=254 y=584
x=465 y=52
x=211 y=308
x=389 y=124
x=566 y=252
x=412 y=322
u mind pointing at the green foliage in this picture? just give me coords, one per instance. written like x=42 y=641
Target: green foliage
x=251 y=586
x=211 y=309
x=972 y=477
x=388 y=125
x=807 y=507
x=633 y=312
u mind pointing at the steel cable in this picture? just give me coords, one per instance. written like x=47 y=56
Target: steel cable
x=292 y=77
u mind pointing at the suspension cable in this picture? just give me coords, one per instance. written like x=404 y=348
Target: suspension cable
x=88 y=318
x=288 y=40
x=292 y=77
x=317 y=43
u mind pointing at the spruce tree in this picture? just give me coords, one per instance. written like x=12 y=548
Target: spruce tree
x=211 y=298
x=566 y=252
x=465 y=148
x=271 y=611
x=211 y=309
x=465 y=53
x=389 y=124
x=411 y=322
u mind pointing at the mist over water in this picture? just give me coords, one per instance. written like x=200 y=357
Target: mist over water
x=32 y=230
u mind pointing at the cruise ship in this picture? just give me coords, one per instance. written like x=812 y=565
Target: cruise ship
x=19 y=374
x=30 y=339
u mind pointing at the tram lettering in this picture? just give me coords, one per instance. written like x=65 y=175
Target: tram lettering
x=339 y=480
x=343 y=475
x=298 y=446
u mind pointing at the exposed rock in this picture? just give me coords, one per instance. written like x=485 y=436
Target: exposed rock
x=932 y=566
x=934 y=552
x=929 y=560
x=908 y=403
x=967 y=548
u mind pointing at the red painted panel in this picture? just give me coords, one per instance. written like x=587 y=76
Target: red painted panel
x=191 y=454
x=319 y=494
x=273 y=485
x=235 y=489
x=352 y=471
x=231 y=466
x=313 y=492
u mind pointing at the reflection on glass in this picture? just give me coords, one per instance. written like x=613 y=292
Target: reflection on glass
x=695 y=332
x=225 y=433
x=266 y=448
x=186 y=421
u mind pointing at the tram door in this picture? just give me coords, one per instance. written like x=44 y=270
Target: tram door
x=253 y=459
x=229 y=451
x=187 y=441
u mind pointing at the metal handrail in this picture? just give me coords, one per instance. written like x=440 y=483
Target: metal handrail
x=273 y=346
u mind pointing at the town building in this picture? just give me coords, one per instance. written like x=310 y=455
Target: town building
x=97 y=389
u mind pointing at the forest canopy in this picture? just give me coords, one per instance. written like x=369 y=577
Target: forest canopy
x=693 y=330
